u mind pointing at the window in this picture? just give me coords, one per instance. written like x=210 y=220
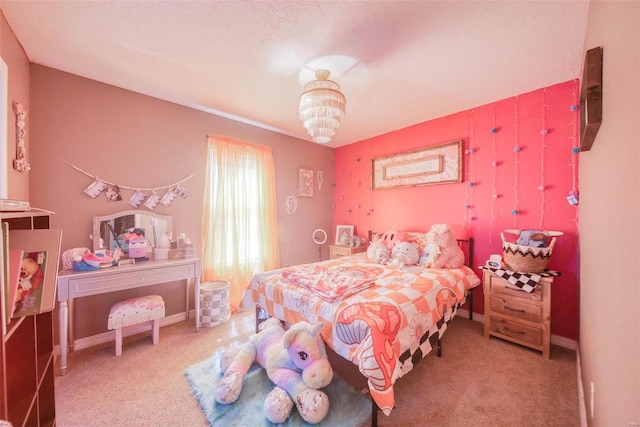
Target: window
x=240 y=217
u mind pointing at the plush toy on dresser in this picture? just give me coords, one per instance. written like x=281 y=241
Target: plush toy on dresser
x=449 y=254
x=295 y=361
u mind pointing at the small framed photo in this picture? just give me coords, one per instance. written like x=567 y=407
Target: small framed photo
x=305 y=183
x=343 y=234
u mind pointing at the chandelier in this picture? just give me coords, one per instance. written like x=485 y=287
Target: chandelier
x=322 y=107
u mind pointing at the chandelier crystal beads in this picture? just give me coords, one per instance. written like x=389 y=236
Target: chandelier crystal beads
x=322 y=107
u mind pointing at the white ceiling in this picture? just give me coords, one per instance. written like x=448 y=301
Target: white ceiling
x=248 y=60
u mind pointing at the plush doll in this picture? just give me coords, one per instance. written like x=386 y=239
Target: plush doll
x=450 y=255
x=429 y=253
x=357 y=241
x=389 y=238
x=404 y=253
x=295 y=360
x=378 y=252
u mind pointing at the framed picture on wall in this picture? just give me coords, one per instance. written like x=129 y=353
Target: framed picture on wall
x=305 y=183
x=439 y=164
x=343 y=234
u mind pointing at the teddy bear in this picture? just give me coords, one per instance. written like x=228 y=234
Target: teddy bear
x=450 y=255
x=429 y=253
x=404 y=253
x=378 y=252
x=295 y=361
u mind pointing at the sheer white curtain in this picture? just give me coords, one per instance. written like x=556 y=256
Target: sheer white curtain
x=240 y=224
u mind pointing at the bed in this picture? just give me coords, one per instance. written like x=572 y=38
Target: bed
x=381 y=318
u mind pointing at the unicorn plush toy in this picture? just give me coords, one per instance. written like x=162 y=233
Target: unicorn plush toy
x=295 y=360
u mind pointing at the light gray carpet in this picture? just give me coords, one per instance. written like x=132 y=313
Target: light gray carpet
x=478 y=382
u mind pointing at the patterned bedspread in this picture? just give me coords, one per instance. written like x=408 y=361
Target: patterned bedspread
x=384 y=327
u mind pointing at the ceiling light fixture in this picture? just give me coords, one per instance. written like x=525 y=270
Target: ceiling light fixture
x=322 y=107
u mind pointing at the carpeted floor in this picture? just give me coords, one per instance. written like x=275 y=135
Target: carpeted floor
x=348 y=407
x=477 y=382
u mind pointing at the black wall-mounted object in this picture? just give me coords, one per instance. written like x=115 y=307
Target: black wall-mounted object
x=591 y=98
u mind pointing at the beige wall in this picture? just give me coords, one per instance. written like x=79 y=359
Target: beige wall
x=18 y=88
x=139 y=141
x=609 y=231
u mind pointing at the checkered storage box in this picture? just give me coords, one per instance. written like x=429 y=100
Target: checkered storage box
x=214 y=303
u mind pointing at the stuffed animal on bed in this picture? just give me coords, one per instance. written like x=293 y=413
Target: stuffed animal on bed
x=378 y=252
x=450 y=255
x=295 y=360
x=404 y=253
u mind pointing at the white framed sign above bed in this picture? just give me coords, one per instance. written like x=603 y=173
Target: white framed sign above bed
x=438 y=164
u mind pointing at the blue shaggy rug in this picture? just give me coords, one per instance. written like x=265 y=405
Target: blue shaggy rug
x=348 y=407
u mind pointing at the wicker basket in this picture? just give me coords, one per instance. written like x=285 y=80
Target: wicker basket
x=526 y=259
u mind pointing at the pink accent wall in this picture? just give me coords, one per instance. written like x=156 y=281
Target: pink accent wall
x=545 y=161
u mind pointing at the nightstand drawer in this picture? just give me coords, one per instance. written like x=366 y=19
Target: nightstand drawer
x=515 y=308
x=336 y=251
x=501 y=286
x=516 y=332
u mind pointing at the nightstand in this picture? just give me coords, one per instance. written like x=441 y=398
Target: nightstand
x=336 y=251
x=518 y=316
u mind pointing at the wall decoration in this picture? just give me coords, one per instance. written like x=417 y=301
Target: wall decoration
x=439 y=164
x=136 y=199
x=591 y=97
x=343 y=234
x=152 y=201
x=305 y=183
x=292 y=204
x=320 y=179
x=113 y=191
x=95 y=188
x=20 y=162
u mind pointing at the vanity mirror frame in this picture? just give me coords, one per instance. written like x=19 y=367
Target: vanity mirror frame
x=98 y=220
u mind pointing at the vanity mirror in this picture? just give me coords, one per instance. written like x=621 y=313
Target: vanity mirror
x=108 y=230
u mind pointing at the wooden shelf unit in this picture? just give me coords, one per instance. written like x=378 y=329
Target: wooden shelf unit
x=337 y=251
x=518 y=316
x=27 y=361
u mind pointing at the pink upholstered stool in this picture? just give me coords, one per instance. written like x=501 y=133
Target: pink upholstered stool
x=133 y=311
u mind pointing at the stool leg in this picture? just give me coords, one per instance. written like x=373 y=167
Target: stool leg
x=118 y=340
x=156 y=331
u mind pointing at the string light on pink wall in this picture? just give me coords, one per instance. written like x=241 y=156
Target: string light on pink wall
x=494 y=177
x=516 y=166
x=543 y=156
x=469 y=171
x=575 y=151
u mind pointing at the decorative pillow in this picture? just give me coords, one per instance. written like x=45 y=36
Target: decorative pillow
x=419 y=237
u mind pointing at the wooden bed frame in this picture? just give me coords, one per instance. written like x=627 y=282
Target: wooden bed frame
x=467 y=248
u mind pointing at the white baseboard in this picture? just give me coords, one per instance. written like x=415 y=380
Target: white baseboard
x=555 y=339
x=109 y=336
x=581 y=402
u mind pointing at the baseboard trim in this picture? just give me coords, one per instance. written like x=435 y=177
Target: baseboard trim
x=555 y=339
x=582 y=405
x=108 y=336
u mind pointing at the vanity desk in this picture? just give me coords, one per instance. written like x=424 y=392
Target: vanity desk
x=108 y=234
x=77 y=284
